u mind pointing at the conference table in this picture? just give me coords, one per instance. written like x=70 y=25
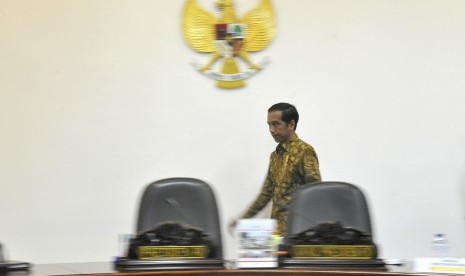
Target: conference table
x=107 y=269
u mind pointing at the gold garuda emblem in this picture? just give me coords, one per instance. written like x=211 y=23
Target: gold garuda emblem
x=229 y=39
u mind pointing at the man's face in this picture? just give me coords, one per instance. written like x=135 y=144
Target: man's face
x=280 y=131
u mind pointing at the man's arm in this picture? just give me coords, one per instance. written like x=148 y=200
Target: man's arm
x=260 y=202
x=311 y=166
x=262 y=199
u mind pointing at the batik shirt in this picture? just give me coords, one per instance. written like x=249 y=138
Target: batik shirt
x=292 y=164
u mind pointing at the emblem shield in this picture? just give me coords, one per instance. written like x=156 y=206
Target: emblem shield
x=229 y=39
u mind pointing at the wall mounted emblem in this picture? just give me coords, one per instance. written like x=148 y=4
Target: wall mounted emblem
x=229 y=39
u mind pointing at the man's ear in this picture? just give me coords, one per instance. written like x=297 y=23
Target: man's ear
x=292 y=124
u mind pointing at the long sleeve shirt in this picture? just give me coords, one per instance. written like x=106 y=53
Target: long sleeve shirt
x=292 y=164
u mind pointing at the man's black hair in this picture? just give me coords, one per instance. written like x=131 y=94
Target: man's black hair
x=289 y=112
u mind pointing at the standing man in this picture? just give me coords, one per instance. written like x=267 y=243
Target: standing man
x=292 y=164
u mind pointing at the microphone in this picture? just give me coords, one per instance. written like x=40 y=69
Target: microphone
x=2 y=257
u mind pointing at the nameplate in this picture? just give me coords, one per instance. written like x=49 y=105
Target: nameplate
x=333 y=251
x=160 y=252
x=439 y=265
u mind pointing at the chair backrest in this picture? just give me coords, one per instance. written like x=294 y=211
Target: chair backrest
x=328 y=202
x=187 y=200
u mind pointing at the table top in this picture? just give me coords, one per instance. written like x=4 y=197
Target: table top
x=107 y=268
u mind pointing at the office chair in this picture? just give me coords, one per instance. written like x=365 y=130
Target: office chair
x=10 y=265
x=314 y=205
x=187 y=201
x=328 y=202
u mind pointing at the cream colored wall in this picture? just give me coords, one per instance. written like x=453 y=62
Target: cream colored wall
x=97 y=99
